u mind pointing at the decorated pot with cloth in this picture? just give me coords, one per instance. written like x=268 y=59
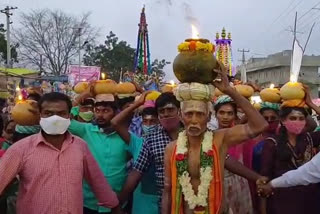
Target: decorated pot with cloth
x=195 y=61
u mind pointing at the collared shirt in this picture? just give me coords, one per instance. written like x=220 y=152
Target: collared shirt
x=153 y=152
x=51 y=179
x=112 y=155
x=309 y=173
x=136 y=126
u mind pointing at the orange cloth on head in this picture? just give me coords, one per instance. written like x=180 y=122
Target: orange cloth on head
x=293 y=103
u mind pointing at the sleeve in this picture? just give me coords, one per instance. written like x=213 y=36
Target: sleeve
x=143 y=162
x=10 y=165
x=100 y=186
x=309 y=173
x=135 y=146
x=315 y=138
x=77 y=128
x=267 y=158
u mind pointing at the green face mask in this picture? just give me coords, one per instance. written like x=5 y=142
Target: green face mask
x=86 y=116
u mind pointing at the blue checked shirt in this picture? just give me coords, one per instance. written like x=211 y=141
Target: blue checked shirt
x=152 y=152
x=136 y=126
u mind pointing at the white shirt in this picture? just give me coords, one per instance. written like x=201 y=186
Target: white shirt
x=213 y=123
x=309 y=173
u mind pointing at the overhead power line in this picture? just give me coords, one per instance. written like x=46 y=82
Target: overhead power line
x=303 y=15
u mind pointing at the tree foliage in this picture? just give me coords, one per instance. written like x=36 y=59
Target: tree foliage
x=114 y=55
x=3 y=47
x=54 y=35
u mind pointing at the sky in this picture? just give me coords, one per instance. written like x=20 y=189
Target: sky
x=263 y=27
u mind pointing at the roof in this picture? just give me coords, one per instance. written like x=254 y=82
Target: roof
x=18 y=71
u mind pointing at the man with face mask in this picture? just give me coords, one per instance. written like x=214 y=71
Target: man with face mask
x=152 y=152
x=145 y=193
x=109 y=149
x=52 y=165
x=196 y=160
x=84 y=112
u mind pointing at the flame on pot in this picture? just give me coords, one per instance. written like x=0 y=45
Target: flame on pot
x=293 y=78
x=195 y=32
x=272 y=86
x=256 y=99
x=17 y=88
x=103 y=76
x=20 y=97
x=172 y=83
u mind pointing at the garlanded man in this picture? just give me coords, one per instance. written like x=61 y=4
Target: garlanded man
x=194 y=163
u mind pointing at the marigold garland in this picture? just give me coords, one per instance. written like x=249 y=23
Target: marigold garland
x=206 y=167
x=196 y=46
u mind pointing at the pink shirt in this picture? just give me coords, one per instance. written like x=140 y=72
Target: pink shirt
x=51 y=179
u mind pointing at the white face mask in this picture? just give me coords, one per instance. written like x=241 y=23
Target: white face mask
x=54 y=125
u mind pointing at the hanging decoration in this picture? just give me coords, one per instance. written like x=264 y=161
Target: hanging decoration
x=224 y=51
x=142 y=55
x=143 y=74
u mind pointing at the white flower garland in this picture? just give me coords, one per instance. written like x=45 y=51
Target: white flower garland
x=205 y=173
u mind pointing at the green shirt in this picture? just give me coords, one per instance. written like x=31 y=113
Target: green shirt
x=75 y=111
x=111 y=154
x=5 y=146
x=140 y=197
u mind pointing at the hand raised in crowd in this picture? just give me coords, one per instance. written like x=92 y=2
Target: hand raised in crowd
x=35 y=109
x=255 y=86
x=223 y=84
x=142 y=98
x=138 y=87
x=90 y=90
x=308 y=97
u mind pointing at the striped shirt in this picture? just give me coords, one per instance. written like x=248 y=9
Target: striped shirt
x=51 y=179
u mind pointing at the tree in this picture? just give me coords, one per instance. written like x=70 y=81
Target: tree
x=157 y=67
x=114 y=55
x=53 y=37
x=3 y=47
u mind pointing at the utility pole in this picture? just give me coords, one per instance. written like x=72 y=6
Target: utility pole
x=243 y=51
x=243 y=69
x=78 y=30
x=7 y=11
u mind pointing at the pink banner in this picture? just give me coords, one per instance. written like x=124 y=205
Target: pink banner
x=83 y=73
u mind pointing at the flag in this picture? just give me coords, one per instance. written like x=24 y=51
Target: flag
x=296 y=60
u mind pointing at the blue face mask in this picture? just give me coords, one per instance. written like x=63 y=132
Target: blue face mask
x=148 y=129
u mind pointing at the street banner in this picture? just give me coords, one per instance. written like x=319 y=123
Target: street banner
x=83 y=73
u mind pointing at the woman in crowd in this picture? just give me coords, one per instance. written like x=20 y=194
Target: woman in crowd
x=270 y=112
x=287 y=150
x=237 y=192
x=7 y=134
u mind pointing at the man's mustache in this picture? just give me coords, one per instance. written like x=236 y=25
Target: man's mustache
x=194 y=126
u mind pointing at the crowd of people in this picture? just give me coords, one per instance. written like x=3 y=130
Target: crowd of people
x=100 y=153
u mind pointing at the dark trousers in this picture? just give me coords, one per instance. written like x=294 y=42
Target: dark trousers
x=88 y=211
